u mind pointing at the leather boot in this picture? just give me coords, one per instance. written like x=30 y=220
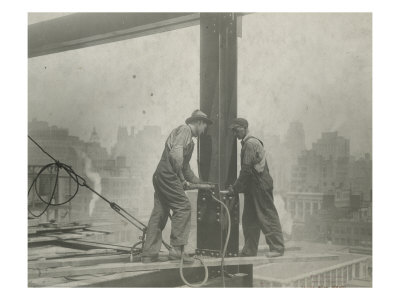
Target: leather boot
x=175 y=253
x=272 y=254
x=152 y=259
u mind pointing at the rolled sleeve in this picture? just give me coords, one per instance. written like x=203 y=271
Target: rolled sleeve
x=248 y=159
x=187 y=170
x=177 y=142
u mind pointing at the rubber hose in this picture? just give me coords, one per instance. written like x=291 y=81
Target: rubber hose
x=202 y=262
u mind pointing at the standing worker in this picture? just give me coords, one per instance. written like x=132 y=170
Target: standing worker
x=259 y=212
x=172 y=176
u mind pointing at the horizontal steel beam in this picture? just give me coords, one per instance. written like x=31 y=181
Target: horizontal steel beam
x=81 y=30
x=210 y=262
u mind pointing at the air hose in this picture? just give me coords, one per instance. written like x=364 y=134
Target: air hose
x=80 y=181
x=202 y=262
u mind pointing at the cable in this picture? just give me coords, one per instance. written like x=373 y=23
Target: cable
x=228 y=235
x=193 y=285
x=202 y=262
x=80 y=181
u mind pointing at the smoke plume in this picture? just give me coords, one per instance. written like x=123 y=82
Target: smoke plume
x=94 y=177
x=284 y=215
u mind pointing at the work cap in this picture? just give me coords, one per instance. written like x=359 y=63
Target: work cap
x=239 y=122
x=198 y=115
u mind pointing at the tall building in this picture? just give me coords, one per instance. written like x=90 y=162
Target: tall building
x=325 y=167
x=295 y=138
x=361 y=177
x=142 y=150
x=331 y=145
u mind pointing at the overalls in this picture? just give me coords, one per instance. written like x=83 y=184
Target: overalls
x=168 y=195
x=259 y=212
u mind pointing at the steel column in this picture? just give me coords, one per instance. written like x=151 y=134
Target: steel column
x=218 y=96
x=217 y=149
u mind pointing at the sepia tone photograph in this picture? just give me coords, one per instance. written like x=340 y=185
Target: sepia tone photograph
x=211 y=149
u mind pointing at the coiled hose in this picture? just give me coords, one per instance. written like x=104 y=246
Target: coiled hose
x=202 y=262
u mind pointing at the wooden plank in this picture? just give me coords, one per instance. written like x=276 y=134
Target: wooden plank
x=33 y=222
x=31 y=230
x=61 y=228
x=54 y=235
x=79 y=261
x=49 y=257
x=210 y=262
x=46 y=281
x=38 y=239
x=93 y=244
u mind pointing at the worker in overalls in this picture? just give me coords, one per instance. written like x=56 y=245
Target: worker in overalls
x=259 y=212
x=172 y=176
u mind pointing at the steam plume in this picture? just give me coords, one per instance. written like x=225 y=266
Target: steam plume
x=284 y=215
x=94 y=177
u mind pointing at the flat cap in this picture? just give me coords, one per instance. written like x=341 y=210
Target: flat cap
x=239 y=122
x=198 y=115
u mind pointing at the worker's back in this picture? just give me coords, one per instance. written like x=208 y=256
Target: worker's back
x=253 y=149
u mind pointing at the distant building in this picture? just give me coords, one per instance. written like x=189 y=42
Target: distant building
x=302 y=205
x=331 y=145
x=361 y=177
x=349 y=232
x=279 y=162
x=117 y=181
x=142 y=150
x=295 y=138
x=56 y=141
x=325 y=167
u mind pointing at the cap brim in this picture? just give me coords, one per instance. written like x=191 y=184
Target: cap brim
x=191 y=119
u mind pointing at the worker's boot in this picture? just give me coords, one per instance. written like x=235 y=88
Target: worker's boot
x=152 y=259
x=274 y=253
x=176 y=252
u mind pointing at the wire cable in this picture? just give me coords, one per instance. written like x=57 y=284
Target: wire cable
x=80 y=182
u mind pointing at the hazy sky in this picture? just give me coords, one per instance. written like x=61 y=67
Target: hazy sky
x=313 y=68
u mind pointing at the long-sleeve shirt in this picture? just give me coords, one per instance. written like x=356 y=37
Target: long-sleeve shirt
x=181 y=145
x=253 y=165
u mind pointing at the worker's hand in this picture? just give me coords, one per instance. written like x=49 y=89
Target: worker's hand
x=186 y=185
x=231 y=192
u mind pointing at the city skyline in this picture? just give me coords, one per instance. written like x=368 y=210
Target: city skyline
x=114 y=138
x=313 y=68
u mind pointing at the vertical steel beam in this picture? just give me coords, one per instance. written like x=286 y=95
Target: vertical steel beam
x=218 y=96
x=217 y=149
